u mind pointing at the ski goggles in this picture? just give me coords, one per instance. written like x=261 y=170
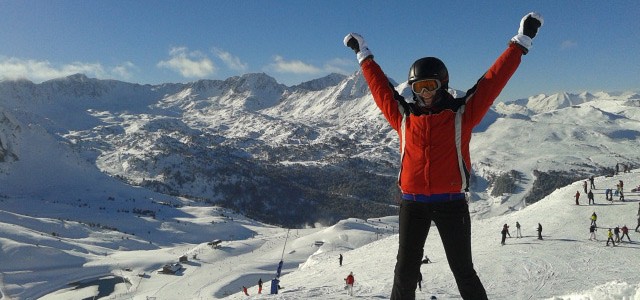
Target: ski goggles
x=428 y=84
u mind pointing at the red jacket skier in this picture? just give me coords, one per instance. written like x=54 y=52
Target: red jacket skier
x=350 y=280
x=435 y=130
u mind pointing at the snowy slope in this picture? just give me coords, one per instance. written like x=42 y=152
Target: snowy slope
x=565 y=265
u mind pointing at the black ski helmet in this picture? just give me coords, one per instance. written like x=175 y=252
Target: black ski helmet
x=429 y=68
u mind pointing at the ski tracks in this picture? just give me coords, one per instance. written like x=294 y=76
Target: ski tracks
x=538 y=273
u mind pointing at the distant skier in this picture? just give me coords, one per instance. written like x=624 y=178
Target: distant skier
x=539 y=231
x=616 y=233
x=340 y=259
x=608 y=195
x=592 y=233
x=594 y=218
x=260 y=286
x=638 y=226
x=518 y=233
x=426 y=260
x=593 y=186
x=625 y=231
x=350 y=280
x=584 y=185
x=590 y=197
x=610 y=238
x=244 y=289
x=620 y=190
x=577 y=196
x=504 y=232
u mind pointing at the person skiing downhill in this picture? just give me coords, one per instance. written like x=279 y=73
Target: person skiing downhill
x=435 y=131
x=577 y=196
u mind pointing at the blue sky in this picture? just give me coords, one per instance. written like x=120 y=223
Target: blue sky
x=583 y=45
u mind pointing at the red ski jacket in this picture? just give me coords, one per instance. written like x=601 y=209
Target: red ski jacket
x=435 y=147
x=350 y=279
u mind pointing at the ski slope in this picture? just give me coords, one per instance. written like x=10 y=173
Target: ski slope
x=564 y=265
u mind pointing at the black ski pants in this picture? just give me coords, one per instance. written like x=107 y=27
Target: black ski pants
x=454 y=225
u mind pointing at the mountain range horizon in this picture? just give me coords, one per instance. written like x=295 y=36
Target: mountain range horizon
x=229 y=141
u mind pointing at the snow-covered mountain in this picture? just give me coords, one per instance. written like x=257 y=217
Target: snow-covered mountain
x=99 y=168
x=320 y=148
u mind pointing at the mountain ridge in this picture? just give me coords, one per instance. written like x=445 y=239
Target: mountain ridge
x=230 y=141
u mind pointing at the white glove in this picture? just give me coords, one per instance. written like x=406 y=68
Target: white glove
x=529 y=25
x=359 y=46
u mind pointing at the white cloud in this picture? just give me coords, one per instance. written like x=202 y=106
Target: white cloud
x=231 y=61
x=37 y=71
x=297 y=67
x=124 y=70
x=42 y=70
x=567 y=44
x=280 y=65
x=339 y=65
x=188 y=64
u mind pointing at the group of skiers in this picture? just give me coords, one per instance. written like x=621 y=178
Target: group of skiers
x=613 y=234
x=246 y=291
x=505 y=232
x=619 y=191
x=610 y=233
x=608 y=193
x=616 y=233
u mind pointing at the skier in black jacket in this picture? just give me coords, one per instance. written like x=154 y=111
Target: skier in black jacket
x=505 y=231
x=539 y=231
